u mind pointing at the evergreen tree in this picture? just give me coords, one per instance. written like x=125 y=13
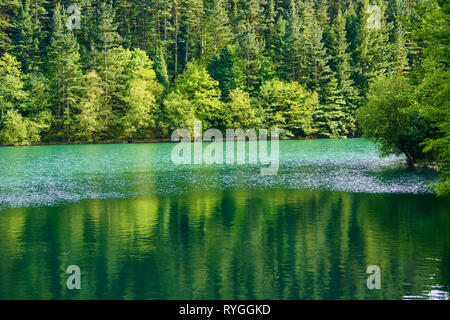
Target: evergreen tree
x=193 y=19
x=220 y=25
x=346 y=96
x=280 y=49
x=293 y=46
x=26 y=46
x=227 y=68
x=107 y=39
x=250 y=50
x=400 y=62
x=8 y=9
x=64 y=70
x=161 y=68
x=314 y=71
x=373 y=52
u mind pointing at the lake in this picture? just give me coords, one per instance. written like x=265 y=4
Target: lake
x=141 y=227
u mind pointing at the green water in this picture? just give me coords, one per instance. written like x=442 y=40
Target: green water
x=140 y=227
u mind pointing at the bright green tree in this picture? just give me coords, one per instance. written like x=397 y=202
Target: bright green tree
x=203 y=94
x=141 y=99
x=434 y=89
x=391 y=116
x=15 y=128
x=288 y=106
x=89 y=118
x=240 y=113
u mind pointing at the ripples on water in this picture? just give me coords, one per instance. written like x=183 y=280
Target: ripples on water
x=46 y=175
x=141 y=227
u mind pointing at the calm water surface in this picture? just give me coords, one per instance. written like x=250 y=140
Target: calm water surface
x=141 y=227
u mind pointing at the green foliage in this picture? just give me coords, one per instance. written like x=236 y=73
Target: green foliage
x=65 y=85
x=122 y=64
x=89 y=118
x=288 y=106
x=250 y=50
x=161 y=68
x=227 y=68
x=64 y=72
x=219 y=25
x=7 y=11
x=26 y=44
x=434 y=88
x=374 y=52
x=313 y=69
x=17 y=130
x=240 y=113
x=203 y=94
x=12 y=94
x=141 y=99
x=14 y=127
x=179 y=113
x=392 y=117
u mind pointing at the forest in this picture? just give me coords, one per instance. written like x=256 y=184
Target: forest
x=128 y=70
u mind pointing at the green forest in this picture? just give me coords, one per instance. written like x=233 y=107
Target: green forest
x=315 y=69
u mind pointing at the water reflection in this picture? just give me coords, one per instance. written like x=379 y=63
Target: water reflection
x=274 y=244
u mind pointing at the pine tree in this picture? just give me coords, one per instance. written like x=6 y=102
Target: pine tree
x=346 y=94
x=400 y=62
x=373 y=51
x=253 y=14
x=227 y=69
x=107 y=39
x=322 y=7
x=176 y=13
x=314 y=71
x=64 y=70
x=26 y=46
x=161 y=67
x=270 y=25
x=293 y=46
x=166 y=14
x=220 y=25
x=250 y=50
x=193 y=19
x=8 y=9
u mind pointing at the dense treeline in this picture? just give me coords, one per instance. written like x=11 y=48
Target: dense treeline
x=138 y=69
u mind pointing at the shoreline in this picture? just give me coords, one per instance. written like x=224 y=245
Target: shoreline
x=150 y=140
